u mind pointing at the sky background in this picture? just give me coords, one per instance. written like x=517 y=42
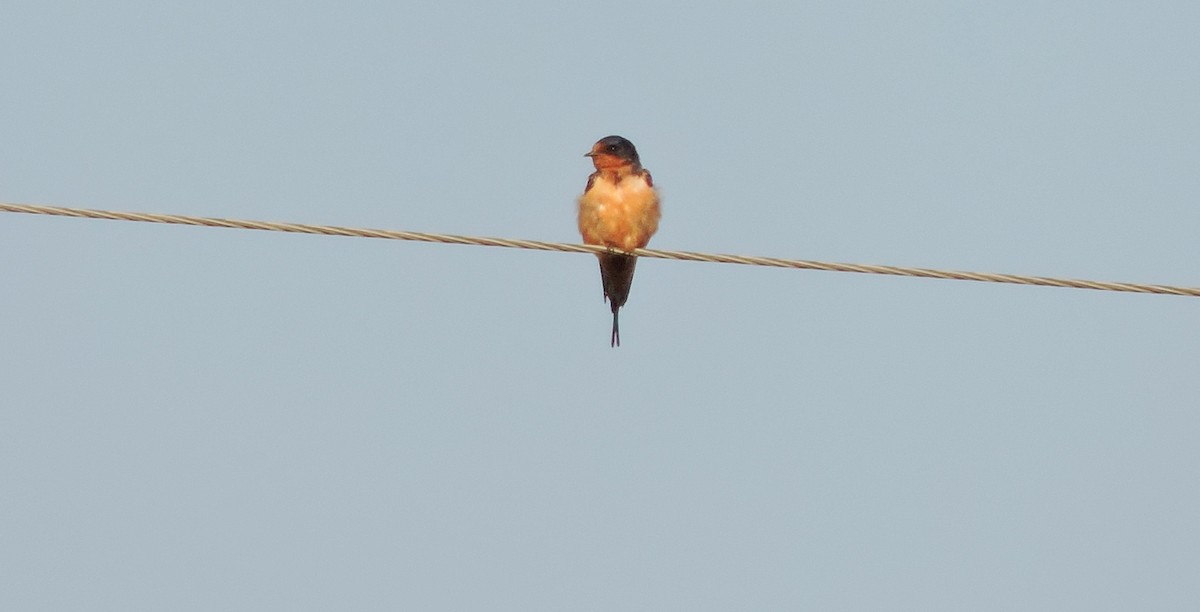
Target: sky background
x=211 y=419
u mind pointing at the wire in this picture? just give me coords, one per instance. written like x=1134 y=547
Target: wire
x=331 y=230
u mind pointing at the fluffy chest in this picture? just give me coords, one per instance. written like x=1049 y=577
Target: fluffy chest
x=629 y=196
x=619 y=213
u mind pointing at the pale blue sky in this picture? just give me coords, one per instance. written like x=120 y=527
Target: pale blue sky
x=207 y=419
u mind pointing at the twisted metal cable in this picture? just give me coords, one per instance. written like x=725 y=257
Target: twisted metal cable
x=332 y=230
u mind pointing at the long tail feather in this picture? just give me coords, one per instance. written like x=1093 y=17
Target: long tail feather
x=616 y=274
x=616 y=335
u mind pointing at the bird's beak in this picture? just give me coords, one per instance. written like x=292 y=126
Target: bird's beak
x=590 y=154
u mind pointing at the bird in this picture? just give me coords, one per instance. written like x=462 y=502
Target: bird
x=619 y=209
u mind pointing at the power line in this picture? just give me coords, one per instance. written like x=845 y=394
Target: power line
x=331 y=230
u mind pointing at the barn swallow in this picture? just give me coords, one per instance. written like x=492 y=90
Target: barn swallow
x=618 y=210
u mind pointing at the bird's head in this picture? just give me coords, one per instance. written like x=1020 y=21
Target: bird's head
x=613 y=152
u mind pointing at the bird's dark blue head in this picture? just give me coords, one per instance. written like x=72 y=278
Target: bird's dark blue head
x=615 y=147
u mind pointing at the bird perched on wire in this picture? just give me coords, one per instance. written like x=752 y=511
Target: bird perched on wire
x=618 y=209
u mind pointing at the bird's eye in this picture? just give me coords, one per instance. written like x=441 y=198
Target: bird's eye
x=612 y=148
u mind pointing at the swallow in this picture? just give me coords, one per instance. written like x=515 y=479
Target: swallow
x=619 y=210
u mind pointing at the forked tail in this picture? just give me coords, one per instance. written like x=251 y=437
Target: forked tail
x=616 y=274
x=616 y=335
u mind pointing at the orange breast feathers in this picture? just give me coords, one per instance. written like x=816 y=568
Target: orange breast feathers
x=619 y=210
